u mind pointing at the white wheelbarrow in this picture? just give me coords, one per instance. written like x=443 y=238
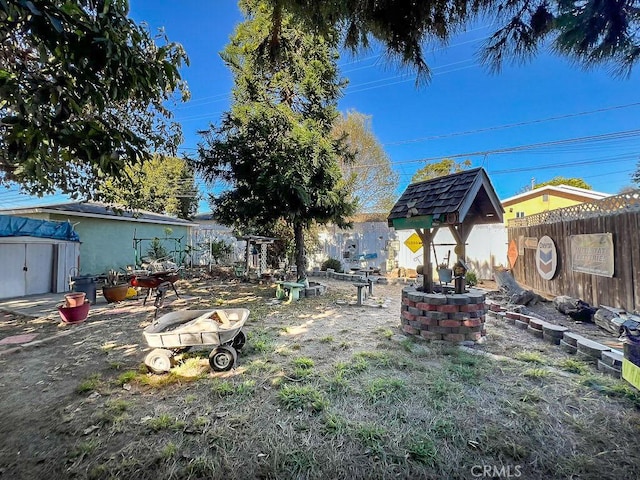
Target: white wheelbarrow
x=176 y=332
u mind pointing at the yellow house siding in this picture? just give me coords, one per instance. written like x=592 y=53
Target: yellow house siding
x=531 y=206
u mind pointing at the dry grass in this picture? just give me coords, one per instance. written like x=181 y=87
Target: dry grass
x=376 y=409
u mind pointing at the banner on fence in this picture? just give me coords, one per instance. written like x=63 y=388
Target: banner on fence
x=592 y=254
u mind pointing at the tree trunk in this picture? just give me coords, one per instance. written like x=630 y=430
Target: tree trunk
x=301 y=257
x=516 y=293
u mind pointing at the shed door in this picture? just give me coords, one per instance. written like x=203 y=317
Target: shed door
x=13 y=282
x=39 y=263
x=26 y=268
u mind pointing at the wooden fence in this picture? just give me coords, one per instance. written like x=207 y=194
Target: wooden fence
x=618 y=215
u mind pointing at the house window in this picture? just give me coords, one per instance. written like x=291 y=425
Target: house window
x=545 y=197
x=519 y=214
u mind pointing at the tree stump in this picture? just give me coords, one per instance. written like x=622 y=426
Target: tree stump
x=513 y=290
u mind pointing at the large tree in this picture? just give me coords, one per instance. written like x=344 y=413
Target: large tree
x=82 y=92
x=274 y=146
x=444 y=167
x=571 y=181
x=369 y=175
x=163 y=185
x=588 y=32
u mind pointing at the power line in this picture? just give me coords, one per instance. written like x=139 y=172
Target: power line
x=518 y=148
x=510 y=125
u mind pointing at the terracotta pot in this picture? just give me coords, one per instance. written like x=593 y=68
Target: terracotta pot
x=76 y=314
x=74 y=299
x=115 y=293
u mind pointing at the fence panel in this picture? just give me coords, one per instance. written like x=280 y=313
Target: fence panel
x=619 y=216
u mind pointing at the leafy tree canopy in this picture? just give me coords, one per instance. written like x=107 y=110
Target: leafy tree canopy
x=589 y=32
x=573 y=182
x=81 y=93
x=369 y=175
x=163 y=185
x=274 y=147
x=444 y=167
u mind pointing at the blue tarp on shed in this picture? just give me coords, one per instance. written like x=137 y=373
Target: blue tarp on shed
x=29 y=227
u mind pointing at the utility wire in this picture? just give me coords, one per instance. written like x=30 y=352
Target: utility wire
x=511 y=125
x=519 y=148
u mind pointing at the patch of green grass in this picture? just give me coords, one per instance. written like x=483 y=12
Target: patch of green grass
x=260 y=365
x=334 y=424
x=327 y=339
x=376 y=359
x=422 y=449
x=385 y=332
x=165 y=422
x=444 y=428
x=90 y=384
x=193 y=368
x=222 y=388
x=465 y=373
x=574 y=366
x=169 y=451
x=530 y=357
x=385 y=389
x=303 y=367
x=246 y=388
x=118 y=405
x=337 y=382
x=303 y=362
x=613 y=388
x=536 y=373
x=302 y=397
x=200 y=467
x=371 y=436
x=127 y=377
x=298 y=464
x=259 y=341
x=116 y=365
x=442 y=387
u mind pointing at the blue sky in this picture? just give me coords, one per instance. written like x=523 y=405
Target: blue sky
x=579 y=117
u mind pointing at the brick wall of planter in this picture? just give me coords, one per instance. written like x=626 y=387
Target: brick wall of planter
x=434 y=316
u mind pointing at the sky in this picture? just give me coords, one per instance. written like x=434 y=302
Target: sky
x=529 y=123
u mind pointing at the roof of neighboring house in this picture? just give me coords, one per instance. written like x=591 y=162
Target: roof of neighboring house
x=203 y=217
x=99 y=210
x=565 y=191
x=467 y=193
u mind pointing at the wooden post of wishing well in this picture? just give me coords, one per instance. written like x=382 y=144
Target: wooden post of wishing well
x=427 y=271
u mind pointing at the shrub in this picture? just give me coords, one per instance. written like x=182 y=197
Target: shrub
x=471 y=278
x=332 y=263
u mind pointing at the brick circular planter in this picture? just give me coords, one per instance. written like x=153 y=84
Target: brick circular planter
x=434 y=316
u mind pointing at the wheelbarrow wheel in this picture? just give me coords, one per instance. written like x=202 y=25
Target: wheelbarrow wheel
x=239 y=340
x=223 y=358
x=159 y=360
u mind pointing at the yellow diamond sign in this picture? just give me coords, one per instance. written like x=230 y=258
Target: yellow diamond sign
x=413 y=242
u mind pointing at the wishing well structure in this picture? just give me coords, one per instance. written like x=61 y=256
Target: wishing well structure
x=458 y=202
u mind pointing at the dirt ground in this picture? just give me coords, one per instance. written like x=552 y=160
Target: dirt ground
x=81 y=405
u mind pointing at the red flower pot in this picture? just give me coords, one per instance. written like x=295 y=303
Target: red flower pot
x=77 y=314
